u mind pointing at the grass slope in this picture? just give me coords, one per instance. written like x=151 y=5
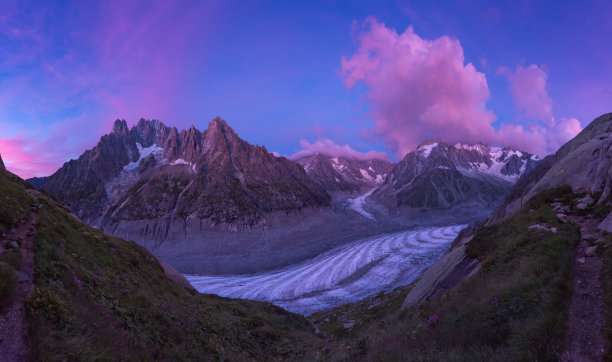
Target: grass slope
x=102 y=298
x=513 y=308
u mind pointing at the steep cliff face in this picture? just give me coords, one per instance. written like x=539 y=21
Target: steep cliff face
x=154 y=183
x=344 y=176
x=2 y=164
x=584 y=163
x=440 y=176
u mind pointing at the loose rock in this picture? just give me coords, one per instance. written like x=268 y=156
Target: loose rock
x=590 y=251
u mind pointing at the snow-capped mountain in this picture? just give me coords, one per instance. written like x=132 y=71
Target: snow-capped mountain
x=341 y=175
x=438 y=175
x=156 y=173
x=206 y=202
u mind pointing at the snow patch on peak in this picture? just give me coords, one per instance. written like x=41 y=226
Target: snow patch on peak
x=426 y=149
x=366 y=175
x=337 y=166
x=145 y=152
x=180 y=161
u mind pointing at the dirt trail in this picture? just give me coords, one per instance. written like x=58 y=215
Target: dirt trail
x=584 y=340
x=13 y=324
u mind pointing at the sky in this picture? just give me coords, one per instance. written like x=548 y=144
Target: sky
x=355 y=78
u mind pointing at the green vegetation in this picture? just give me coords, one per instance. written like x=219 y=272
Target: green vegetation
x=103 y=298
x=513 y=308
x=14 y=201
x=14 y=206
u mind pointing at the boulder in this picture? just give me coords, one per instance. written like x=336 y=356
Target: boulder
x=606 y=224
x=590 y=251
x=23 y=277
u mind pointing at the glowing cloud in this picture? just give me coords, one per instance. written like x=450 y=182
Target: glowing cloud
x=528 y=88
x=422 y=89
x=328 y=147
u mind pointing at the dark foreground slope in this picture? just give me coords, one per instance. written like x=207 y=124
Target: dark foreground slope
x=513 y=308
x=99 y=297
x=532 y=283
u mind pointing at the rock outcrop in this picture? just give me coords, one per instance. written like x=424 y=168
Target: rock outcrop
x=584 y=163
x=2 y=164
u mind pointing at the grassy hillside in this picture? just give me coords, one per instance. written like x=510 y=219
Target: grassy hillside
x=513 y=308
x=14 y=207
x=101 y=298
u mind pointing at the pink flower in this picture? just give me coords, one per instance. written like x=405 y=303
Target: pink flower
x=78 y=283
x=63 y=247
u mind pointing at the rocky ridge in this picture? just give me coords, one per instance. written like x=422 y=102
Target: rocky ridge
x=345 y=176
x=442 y=176
x=152 y=171
x=584 y=163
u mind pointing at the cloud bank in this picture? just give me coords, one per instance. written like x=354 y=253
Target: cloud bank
x=420 y=89
x=528 y=88
x=328 y=147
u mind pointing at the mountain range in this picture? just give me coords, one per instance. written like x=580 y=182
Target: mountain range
x=532 y=282
x=438 y=177
x=199 y=199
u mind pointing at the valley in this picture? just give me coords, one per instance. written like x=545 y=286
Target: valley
x=344 y=274
x=305 y=181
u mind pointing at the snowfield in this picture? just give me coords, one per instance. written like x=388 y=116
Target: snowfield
x=342 y=275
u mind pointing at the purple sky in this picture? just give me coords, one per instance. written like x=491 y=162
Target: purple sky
x=343 y=77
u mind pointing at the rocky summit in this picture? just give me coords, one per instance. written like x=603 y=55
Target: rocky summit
x=439 y=176
x=342 y=176
x=2 y=164
x=152 y=171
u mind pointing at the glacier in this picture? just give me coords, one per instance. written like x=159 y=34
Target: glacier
x=345 y=274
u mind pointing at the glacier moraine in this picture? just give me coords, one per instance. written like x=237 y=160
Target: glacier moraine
x=345 y=274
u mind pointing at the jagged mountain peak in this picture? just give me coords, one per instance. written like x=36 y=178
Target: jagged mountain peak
x=2 y=164
x=188 y=175
x=498 y=161
x=218 y=122
x=219 y=128
x=440 y=175
x=120 y=127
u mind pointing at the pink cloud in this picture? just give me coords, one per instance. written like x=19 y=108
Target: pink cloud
x=539 y=139
x=422 y=89
x=328 y=147
x=528 y=88
x=26 y=158
x=418 y=88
